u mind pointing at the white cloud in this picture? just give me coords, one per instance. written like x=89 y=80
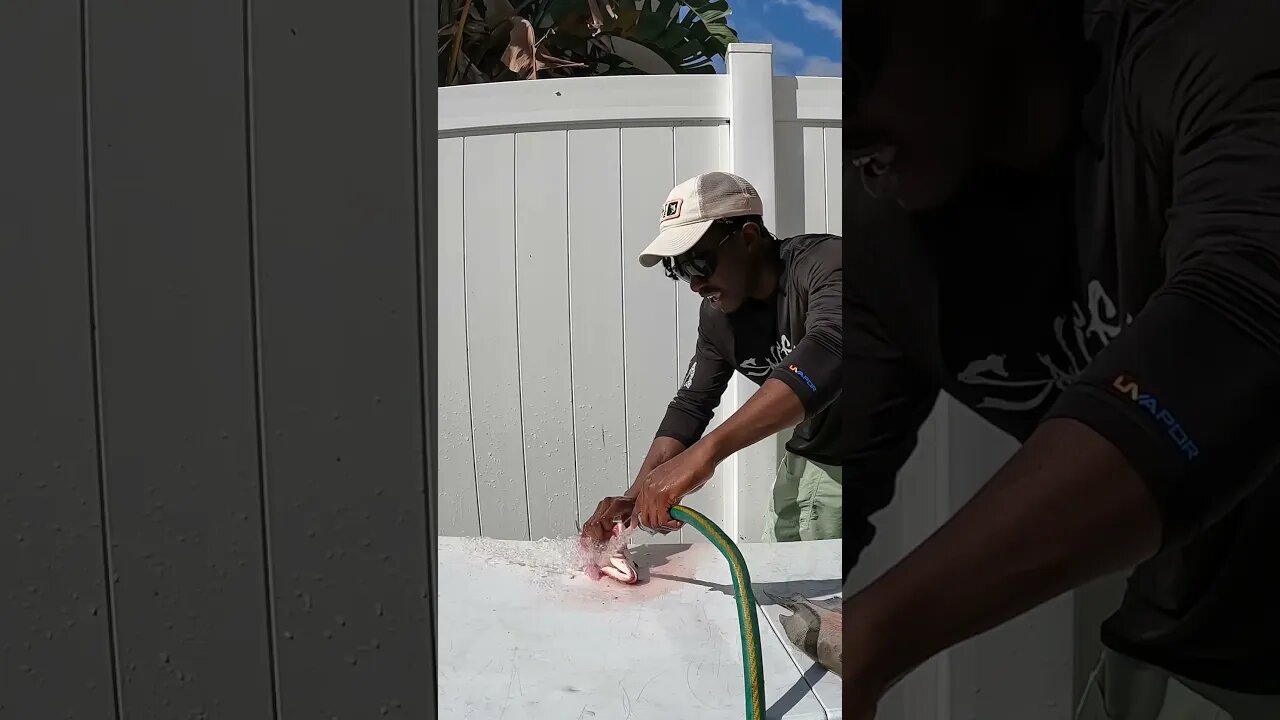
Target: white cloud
x=785 y=52
x=791 y=59
x=821 y=67
x=817 y=14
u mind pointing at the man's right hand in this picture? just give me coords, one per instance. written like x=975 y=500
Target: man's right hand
x=610 y=511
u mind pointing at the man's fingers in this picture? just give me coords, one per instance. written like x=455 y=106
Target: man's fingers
x=646 y=521
x=661 y=522
x=636 y=519
x=655 y=519
x=610 y=511
x=595 y=529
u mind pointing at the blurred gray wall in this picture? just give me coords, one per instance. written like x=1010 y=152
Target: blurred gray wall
x=214 y=334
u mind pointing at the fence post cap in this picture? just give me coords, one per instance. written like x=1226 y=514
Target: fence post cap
x=751 y=48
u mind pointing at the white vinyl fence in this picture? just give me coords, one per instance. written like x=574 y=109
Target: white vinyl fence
x=558 y=352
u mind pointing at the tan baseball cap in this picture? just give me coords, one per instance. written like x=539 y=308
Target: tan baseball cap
x=693 y=205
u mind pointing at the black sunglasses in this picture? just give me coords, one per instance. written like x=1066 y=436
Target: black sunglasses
x=694 y=263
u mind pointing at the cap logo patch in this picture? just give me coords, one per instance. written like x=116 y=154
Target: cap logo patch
x=671 y=209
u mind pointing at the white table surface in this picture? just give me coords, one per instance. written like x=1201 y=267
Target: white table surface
x=524 y=636
x=775 y=567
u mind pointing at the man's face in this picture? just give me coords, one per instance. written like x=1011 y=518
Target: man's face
x=729 y=284
x=919 y=127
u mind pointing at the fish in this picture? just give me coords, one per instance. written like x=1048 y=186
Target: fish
x=612 y=559
x=816 y=627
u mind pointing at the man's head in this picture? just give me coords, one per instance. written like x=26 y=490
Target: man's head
x=711 y=236
x=943 y=87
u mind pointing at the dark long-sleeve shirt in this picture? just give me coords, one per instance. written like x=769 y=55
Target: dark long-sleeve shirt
x=793 y=337
x=1138 y=292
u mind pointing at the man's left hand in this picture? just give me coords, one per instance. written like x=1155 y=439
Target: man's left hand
x=667 y=485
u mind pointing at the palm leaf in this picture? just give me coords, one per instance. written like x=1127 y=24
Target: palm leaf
x=606 y=37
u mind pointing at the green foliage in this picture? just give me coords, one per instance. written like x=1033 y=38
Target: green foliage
x=492 y=41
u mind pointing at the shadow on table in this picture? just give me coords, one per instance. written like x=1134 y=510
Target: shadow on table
x=649 y=556
x=795 y=693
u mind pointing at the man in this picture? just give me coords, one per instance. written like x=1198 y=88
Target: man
x=1081 y=242
x=771 y=311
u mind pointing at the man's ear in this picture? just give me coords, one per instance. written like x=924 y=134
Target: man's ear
x=751 y=233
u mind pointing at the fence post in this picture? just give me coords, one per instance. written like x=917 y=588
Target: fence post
x=750 y=70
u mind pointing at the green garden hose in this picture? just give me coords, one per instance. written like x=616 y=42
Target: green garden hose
x=752 y=668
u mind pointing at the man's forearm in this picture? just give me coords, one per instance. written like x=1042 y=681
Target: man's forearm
x=1066 y=509
x=771 y=409
x=661 y=450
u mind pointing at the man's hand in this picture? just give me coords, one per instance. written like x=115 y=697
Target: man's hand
x=772 y=408
x=669 y=471
x=609 y=512
x=615 y=509
x=667 y=484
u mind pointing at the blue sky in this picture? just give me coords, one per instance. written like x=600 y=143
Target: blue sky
x=805 y=34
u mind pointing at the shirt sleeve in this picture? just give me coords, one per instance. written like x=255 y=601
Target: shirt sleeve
x=702 y=386
x=813 y=368
x=885 y=401
x=1188 y=391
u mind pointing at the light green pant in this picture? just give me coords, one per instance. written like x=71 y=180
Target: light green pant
x=1122 y=688
x=806 y=501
